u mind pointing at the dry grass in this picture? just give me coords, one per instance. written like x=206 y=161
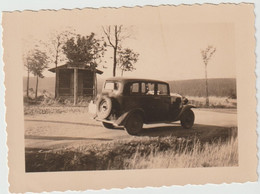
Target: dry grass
x=47 y=104
x=46 y=98
x=139 y=153
x=207 y=155
x=214 y=102
x=41 y=109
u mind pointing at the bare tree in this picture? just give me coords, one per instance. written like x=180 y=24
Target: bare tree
x=54 y=48
x=206 y=56
x=115 y=35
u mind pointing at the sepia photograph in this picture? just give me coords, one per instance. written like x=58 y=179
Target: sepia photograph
x=121 y=96
x=129 y=88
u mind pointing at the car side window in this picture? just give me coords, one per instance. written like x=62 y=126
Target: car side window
x=162 y=89
x=134 y=88
x=147 y=88
x=111 y=86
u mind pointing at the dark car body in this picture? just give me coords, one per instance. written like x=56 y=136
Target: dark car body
x=151 y=100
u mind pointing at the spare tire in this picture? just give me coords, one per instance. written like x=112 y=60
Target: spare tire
x=104 y=107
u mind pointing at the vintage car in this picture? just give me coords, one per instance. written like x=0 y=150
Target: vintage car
x=132 y=102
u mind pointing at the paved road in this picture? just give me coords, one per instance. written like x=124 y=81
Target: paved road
x=53 y=131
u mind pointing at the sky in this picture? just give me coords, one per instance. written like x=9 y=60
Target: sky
x=169 y=42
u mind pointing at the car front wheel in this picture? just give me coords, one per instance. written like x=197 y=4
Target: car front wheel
x=134 y=124
x=187 y=119
x=104 y=107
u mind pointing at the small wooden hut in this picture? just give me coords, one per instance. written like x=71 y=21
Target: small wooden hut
x=75 y=81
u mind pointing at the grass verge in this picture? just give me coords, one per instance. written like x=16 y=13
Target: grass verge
x=138 y=153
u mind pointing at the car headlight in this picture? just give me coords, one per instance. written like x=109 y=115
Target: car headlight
x=185 y=100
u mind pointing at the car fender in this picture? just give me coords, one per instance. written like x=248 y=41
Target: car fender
x=122 y=119
x=184 y=108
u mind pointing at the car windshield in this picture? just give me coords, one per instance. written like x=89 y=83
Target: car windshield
x=111 y=86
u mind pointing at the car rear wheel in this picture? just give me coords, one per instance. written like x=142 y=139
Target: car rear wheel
x=134 y=124
x=187 y=119
x=104 y=107
x=108 y=125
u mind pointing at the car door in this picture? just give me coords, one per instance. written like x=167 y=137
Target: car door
x=163 y=101
x=149 y=101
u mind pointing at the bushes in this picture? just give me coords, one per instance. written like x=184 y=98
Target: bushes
x=46 y=98
x=47 y=104
x=214 y=102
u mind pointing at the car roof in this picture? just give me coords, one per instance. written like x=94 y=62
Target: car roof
x=127 y=79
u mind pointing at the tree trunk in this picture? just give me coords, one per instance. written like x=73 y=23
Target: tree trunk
x=36 y=88
x=114 y=66
x=207 y=91
x=75 y=86
x=28 y=77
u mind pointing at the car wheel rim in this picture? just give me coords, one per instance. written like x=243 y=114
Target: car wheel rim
x=103 y=106
x=136 y=124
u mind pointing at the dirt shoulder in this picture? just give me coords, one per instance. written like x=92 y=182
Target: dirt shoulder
x=65 y=127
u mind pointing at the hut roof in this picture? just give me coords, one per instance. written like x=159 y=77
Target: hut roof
x=82 y=67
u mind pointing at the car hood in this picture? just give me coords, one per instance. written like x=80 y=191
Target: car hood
x=176 y=95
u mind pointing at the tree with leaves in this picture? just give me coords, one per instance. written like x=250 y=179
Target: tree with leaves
x=126 y=60
x=84 y=50
x=115 y=35
x=30 y=44
x=38 y=63
x=206 y=56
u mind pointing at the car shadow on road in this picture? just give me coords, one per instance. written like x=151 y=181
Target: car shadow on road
x=63 y=122
x=60 y=138
x=203 y=132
